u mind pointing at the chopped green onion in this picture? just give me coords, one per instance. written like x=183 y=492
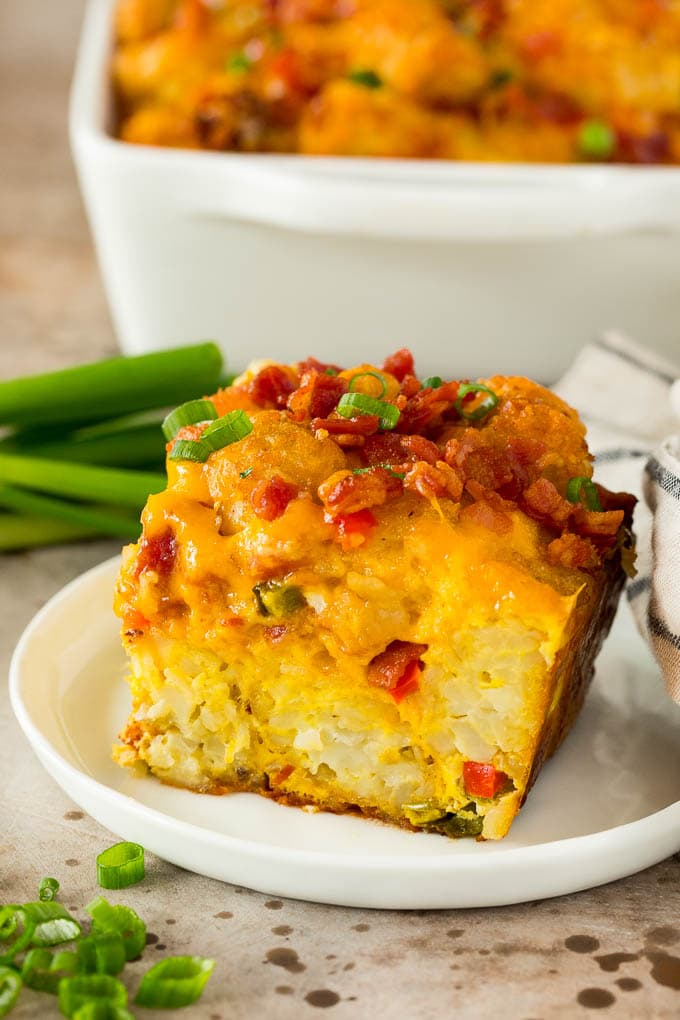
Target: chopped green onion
x=120 y=866
x=75 y=992
x=123 y=920
x=174 y=982
x=80 y=481
x=481 y=411
x=103 y=952
x=43 y=970
x=331 y=371
x=228 y=429
x=500 y=77
x=350 y=403
x=239 y=62
x=191 y=413
x=246 y=473
x=190 y=449
x=9 y=925
x=53 y=923
x=386 y=467
x=433 y=382
x=23 y=532
x=114 y=387
x=364 y=375
x=102 y=1011
x=596 y=140
x=369 y=79
x=48 y=889
x=134 y=447
x=581 y=485
x=10 y=986
x=103 y=520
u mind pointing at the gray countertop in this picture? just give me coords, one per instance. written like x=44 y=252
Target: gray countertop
x=613 y=950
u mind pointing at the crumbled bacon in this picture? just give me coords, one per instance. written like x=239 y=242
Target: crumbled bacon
x=386 y=669
x=271 y=387
x=489 y=509
x=362 y=425
x=542 y=501
x=409 y=386
x=312 y=365
x=276 y=778
x=434 y=480
x=478 y=460
x=426 y=409
x=420 y=448
x=400 y=364
x=269 y=499
x=317 y=395
x=190 y=432
x=571 y=551
x=157 y=553
x=600 y=526
x=345 y=493
x=384 y=448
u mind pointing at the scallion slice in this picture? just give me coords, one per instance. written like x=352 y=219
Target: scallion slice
x=123 y=920
x=190 y=413
x=385 y=467
x=351 y=403
x=120 y=866
x=48 y=889
x=53 y=923
x=581 y=485
x=76 y=991
x=481 y=410
x=365 y=375
x=10 y=986
x=103 y=952
x=369 y=79
x=174 y=982
x=15 y=919
x=102 y=1011
x=228 y=429
x=433 y=382
x=42 y=970
x=190 y=449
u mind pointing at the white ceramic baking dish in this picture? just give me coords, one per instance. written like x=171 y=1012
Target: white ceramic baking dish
x=478 y=268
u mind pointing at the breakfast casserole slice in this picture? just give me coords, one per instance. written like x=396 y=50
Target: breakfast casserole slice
x=369 y=593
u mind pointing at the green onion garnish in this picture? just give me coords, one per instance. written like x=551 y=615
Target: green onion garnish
x=350 y=403
x=174 y=982
x=583 y=486
x=246 y=473
x=42 y=970
x=15 y=919
x=53 y=923
x=81 y=481
x=228 y=429
x=76 y=991
x=190 y=413
x=481 y=411
x=120 y=866
x=331 y=371
x=364 y=375
x=433 y=382
x=102 y=1010
x=369 y=79
x=385 y=467
x=103 y=952
x=10 y=986
x=596 y=140
x=239 y=62
x=123 y=920
x=48 y=889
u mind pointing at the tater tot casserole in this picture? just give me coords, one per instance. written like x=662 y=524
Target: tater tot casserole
x=482 y=80
x=369 y=593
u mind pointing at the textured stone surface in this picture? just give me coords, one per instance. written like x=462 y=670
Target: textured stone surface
x=614 y=951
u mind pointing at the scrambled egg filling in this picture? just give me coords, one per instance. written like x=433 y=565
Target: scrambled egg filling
x=395 y=620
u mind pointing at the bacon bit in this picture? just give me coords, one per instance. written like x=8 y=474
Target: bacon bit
x=482 y=780
x=427 y=408
x=409 y=682
x=488 y=516
x=317 y=396
x=400 y=364
x=392 y=668
x=133 y=620
x=280 y=777
x=434 y=481
x=312 y=365
x=276 y=633
x=157 y=553
x=269 y=499
x=384 y=448
x=601 y=526
x=420 y=448
x=362 y=425
x=286 y=70
x=543 y=502
x=271 y=387
x=410 y=386
x=192 y=432
x=232 y=621
x=571 y=551
x=645 y=149
x=538 y=45
x=480 y=462
x=352 y=530
x=345 y=493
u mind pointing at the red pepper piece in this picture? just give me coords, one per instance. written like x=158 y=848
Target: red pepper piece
x=482 y=780
x=391 y=668
x=157 y=553
x=352 y=530
x=409 y=682
x=271 y=386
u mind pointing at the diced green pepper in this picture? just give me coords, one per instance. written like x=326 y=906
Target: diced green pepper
x=277 y=599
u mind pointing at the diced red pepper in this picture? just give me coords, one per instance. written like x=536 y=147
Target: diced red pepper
x=393 y=668
x=409 y=682
x=482 y=780
x=270 y=498
x=157 y=553
x=352 y=530
x=271 y=386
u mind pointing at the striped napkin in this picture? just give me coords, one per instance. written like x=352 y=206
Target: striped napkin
x=629 y=398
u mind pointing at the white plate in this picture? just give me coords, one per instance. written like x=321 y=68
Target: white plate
x=606 y=806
